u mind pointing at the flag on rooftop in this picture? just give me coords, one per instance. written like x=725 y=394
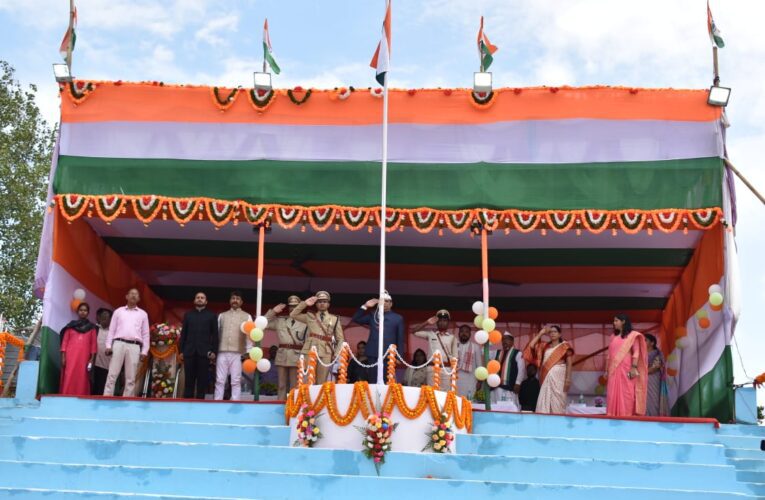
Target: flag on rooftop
x=268 y=54
x=381 y=59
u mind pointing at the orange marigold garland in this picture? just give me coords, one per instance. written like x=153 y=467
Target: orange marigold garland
x=5 y=339
x=437 y=369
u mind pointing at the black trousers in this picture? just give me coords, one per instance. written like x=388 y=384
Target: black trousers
x=99 y=380
x=197 y=368
x=371 y=372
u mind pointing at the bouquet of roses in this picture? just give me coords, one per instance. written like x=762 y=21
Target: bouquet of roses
x=162 y=334
x=377 y=437
x=161 y=381
x=441 y=435
x=308 y=433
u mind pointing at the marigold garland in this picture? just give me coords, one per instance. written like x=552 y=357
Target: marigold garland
x=5 y=339
x=295 y=100
x=485 y=102
x=77 y=91
x=228 y=101
x=261 y=105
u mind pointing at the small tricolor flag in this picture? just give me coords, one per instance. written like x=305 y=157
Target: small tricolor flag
x=268 y=54
x=485 y=48
x=67 y=44
x=381 y=59
x=714 y=34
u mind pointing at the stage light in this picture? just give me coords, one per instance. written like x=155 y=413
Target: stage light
x=61 y=73
x=262 y=80
x=482 y=82
x=718 y=96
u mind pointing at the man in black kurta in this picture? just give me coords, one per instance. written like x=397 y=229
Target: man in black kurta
x=199 y=345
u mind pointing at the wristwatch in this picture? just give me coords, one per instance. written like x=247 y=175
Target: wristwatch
x=364 y=307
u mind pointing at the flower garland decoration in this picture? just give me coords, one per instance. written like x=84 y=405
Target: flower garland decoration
x=344 y=93
x=261 y=99
x=295 y=100
x=441 y=435
x=164 y=340
x=376 y=92
x=161 y=381
x=78 y=91
x=377 y=437
x=226 y=102
x=5 y=339
x=482 y=100
x=308 y=432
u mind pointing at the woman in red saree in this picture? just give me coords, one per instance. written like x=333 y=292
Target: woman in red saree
x=78 y=352
x=553 y=359
x=627 y=370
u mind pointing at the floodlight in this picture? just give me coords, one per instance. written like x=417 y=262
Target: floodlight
x=482 y=82
x=262 y=80
x=61 y=73
x=718 y=96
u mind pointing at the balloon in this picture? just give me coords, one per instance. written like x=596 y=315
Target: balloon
x=493 y=380
x=488 y=324
x=493 y=366
x=704 y=323
x=671 y=372
x=672 y=359
x=716 y=308
x=478 y=307
x=247 y=327
x=249 y=366
x=715 y=298
x=261 y=322
x=602 y=380
x=478 y=321
x=600 y=389
x=701 y=313
x=79 y=294
x=715 y=289
x=493 y=313
x=256 y=354
x=481 y=373
x=264 y=365
x=495 y=337
x=75 y=304
x=680 y=332
x=256 y=334
x=682 y=343
x=481 y=337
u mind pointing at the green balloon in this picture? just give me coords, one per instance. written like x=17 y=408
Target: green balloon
x=478 y=321
x=256 y=334
x=600 y=390
x=481 y=373
x=256 y=353
x=701 y=313
x=489 y=324
x=715 y=298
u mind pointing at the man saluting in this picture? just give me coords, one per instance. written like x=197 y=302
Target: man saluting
x=393 y=331
x=324 y=331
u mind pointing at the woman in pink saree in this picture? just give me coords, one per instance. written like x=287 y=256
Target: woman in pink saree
x=626 y=370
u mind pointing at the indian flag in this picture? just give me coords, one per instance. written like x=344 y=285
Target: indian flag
x=714 y=34
x=67 y=44
x=268 y=54
x=381 y=59
x=485 y=49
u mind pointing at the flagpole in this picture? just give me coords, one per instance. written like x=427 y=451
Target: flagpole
x=71 y=38
x=383 y=211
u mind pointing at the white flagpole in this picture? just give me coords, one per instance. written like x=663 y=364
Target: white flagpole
x=383 y=211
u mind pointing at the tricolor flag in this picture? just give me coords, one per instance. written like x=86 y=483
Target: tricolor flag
x=381 y=59
x=485 y=48
x=714 y=33
x=67 y=44
x=268 y=54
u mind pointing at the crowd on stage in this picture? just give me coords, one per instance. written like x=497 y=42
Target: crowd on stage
x=97 y=358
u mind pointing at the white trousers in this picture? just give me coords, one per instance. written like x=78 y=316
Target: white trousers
x=129 y=356
x=228 y=363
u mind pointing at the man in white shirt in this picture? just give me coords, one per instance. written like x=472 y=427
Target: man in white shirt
x=469 y=357
x=232 y=345
x=512 y=372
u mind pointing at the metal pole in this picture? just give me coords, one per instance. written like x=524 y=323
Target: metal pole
x=744 y=180
x=259 y=301
x=383 y=210
x=485 y=283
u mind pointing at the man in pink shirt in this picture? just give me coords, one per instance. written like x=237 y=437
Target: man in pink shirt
x=127 y=343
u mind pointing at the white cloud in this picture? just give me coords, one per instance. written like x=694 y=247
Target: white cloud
x=214 y=30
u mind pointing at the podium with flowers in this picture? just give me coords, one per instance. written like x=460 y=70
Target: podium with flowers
x=164 y=365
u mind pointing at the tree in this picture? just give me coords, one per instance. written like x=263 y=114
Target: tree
x=26 y=145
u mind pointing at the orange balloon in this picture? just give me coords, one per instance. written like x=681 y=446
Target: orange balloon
x=75 y=304
x=248 y=327
x=493 y=313
x=716 y=307
x=493 y=366
x=671 y=372
x=680 y=332
x=602 y=380
x=704 y=323
x=249 y=366
x=495 y=336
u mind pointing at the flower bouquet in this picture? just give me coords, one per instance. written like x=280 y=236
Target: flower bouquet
x=162 y=334
x=161 y=381
x=441 y=435
x=308 y=432
x=377 y=437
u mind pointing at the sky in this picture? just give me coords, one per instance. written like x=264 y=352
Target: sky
x=328 y=43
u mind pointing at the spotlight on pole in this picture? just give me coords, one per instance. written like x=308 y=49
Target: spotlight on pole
x=262 y=80
x=482 y=82
x=718 y=96
x=61 y=73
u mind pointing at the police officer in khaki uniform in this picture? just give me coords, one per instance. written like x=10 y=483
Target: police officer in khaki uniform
x=439 y=340
x=291 y=335
x=324 y=331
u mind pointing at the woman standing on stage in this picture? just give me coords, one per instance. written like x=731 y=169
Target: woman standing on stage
x=656 y=391
x=626 y=370
x=78 y=352
x=553 y=359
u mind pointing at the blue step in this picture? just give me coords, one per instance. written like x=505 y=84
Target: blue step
x=740 y=442
x=742 y=430
x=745 y=453
x=48 y=494
x=748 y=464
x=221 y=483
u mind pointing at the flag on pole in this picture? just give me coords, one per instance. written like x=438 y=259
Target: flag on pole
x=268 y=54
x=67 y=44
x=381 y=59
x=714 y=34
x=485 y=49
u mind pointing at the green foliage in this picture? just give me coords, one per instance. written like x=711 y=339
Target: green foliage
x=26 y=144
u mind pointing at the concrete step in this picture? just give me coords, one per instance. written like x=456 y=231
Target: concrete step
x=352 y=463
x=742 y=430
x=217 y=483
x=750 y=476
x=48 y=494
x=740 y=442
x=748 y=464
x=745 y=453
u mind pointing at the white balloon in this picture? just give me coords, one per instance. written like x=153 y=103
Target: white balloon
x=481 y=337
x=261 y=322
x=79 y=294
x=264 y=365
x=681 y=343
x=477 y=307
x=715 y=288
x=493 y=380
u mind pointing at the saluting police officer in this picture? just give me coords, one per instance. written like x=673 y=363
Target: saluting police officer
x=324 y=331
x=291 y=333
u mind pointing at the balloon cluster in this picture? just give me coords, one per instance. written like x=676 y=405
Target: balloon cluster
x=78 y=297
x=487 y=324
x=715 y=303
x=254 y=329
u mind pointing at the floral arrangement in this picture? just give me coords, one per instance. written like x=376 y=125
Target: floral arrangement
x=161 y=381
x=441 y=435
x=377 y=437
x=308 y=433
x=599 y=403
x=162 y=334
